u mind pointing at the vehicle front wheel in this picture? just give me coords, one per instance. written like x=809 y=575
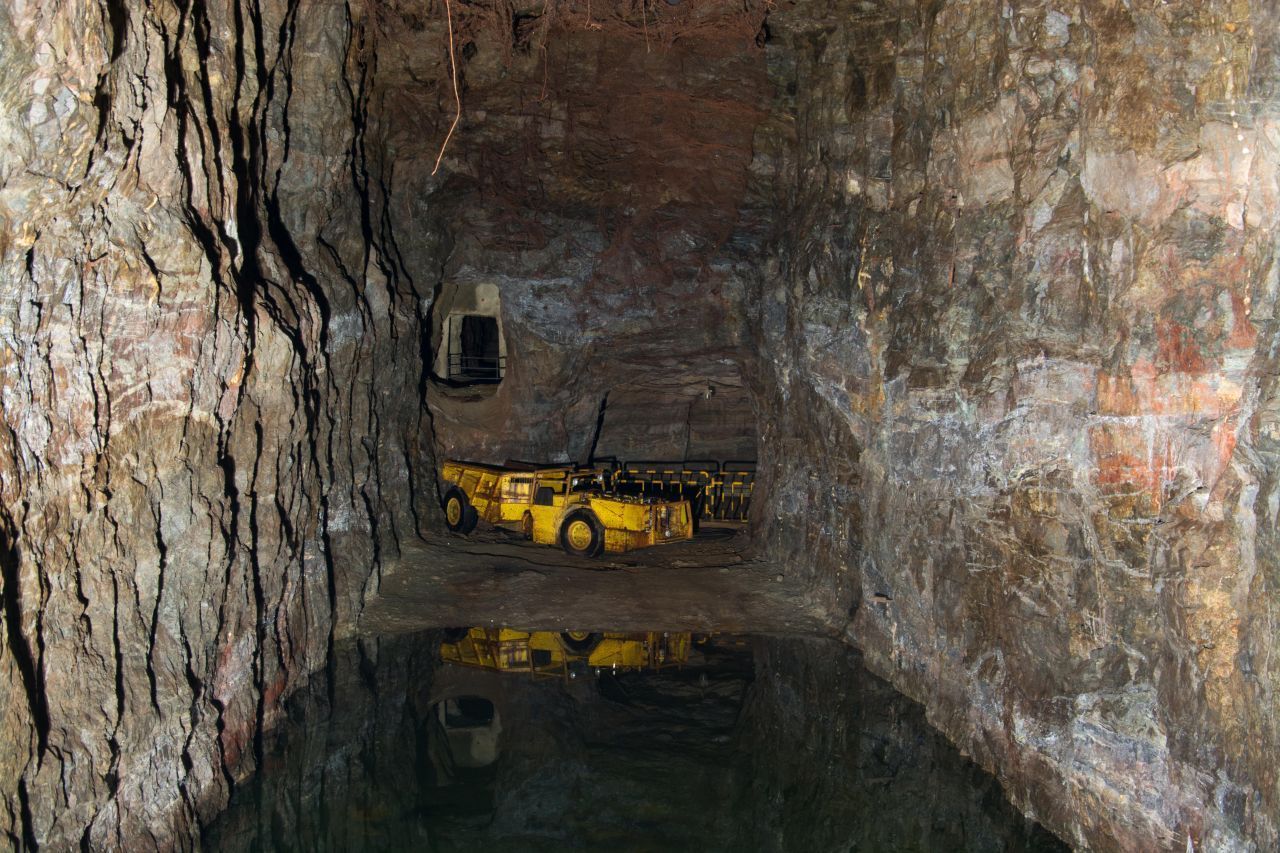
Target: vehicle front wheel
x=581 y=534
x=459 y=515
x=582 y=642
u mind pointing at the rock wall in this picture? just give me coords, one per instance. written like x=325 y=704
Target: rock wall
x=200 y=470
x=1023 y=296
x=597 y=178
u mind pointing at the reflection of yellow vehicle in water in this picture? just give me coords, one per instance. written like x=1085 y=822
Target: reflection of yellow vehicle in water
x=572 y=507
x=553 y=653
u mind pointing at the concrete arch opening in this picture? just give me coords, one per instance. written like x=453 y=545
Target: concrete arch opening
x=470 y=346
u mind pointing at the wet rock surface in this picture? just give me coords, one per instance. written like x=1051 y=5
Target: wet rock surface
x=754 y=745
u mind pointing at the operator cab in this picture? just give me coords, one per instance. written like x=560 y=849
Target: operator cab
x=592 y=481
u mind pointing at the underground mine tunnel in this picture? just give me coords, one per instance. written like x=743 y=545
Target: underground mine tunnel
x=950 y=325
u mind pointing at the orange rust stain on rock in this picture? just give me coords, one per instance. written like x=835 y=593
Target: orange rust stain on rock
x=1177 y=349
x=1127 y=462
x=1224 y=439
x=1243 y=333
x=1145 y=391
x=274 y=690
x=1117 y=395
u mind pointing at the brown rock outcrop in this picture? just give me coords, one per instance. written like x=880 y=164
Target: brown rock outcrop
x=1025 y=298
x=200 y=465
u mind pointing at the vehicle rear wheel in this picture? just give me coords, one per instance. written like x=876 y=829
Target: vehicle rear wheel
x=459 y=515
x=454 y=635
x=582 y=642
x=526 y=526
x=581 y=534
x=695 y=510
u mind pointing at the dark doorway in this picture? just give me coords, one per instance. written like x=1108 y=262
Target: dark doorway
x=467 y=712
x=479 y=354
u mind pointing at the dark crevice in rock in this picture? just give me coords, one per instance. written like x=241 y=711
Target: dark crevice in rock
x=284 y=244
x=331 y=577
x=224 y=761
x=118 y=25
x=29 y=840
x=231 y=491
x=195 y=709
x=259 y=600
x=162 y=552
x=247 y=279
x=26 y=660
x=209 y=132
x=285 y=38
x=113 y=740
x=387 y=235
x=102 y=103
x=375 y=540
x=357 y=97
x=205 y=236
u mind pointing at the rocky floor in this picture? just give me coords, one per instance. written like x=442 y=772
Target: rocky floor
x=712 y=583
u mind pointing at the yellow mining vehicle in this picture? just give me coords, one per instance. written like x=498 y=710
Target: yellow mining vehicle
x=575 y=508
x=556 y=653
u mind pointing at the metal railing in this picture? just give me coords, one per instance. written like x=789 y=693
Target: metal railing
x=716 y=491
x=475 y=370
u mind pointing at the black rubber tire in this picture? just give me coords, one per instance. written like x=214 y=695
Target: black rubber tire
x=698 y=501
x=454 y=635
x=584 y=646
x=466 y=517
x=594 y=547
x=526 y=526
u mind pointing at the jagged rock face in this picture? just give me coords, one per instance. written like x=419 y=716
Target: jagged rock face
x=201 y=465
x=597 y=177
x=1024 y=297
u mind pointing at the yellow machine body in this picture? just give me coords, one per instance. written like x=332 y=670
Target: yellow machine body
x=571 y=507
x=499 y=495
x=552 y=653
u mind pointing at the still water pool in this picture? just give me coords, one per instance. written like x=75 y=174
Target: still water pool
x=713 y=744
